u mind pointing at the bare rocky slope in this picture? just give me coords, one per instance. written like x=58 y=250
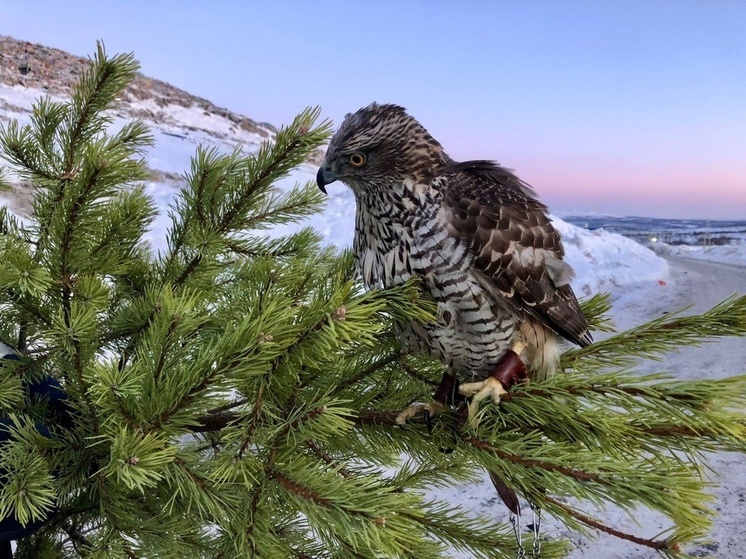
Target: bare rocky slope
x=178 y=120
x=54 y=71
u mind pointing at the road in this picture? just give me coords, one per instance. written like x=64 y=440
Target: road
x=699 y=285
x=708 y=282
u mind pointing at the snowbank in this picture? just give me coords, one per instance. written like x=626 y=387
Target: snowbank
x=603 y=260
x=724 y=254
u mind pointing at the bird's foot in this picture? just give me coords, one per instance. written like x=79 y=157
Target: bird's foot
x=445 y=396
x=508 y=371
x=429 y=410
x=488 y=388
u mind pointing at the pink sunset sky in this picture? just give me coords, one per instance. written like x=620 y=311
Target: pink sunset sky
x=626 y=107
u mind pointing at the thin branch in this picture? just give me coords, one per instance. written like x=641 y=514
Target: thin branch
x=256 y=410
x=229 y=406
x=660 y=545
x=328 y=459
x=27 y=306
x=372 y=368
x=221 y=419
x=574 y=473
x=76 y=536
x=214 y=422
x=415 y=374
x=381 y=418
x=298 y=489
x=88 y=109
x=164 y=349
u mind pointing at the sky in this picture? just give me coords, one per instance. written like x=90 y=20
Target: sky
x=618 y=107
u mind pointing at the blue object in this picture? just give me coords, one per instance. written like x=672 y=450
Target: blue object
x=50 y=390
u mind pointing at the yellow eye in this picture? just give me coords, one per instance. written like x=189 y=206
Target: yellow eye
x=357 y=160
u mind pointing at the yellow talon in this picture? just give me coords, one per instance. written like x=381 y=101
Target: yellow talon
x=488 y=388
x=415 y=409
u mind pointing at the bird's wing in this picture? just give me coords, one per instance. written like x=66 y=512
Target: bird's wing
x=514 y=244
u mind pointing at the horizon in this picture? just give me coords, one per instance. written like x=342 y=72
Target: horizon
x=572 y=214
x=628 y=109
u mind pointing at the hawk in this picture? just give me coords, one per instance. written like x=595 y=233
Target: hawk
x=477 y=238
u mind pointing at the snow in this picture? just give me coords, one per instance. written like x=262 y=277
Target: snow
x=642 y=283
x=604 y=260
x=723 y=254
x=16 y=101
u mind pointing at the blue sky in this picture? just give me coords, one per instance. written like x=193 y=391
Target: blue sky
x=616 y=107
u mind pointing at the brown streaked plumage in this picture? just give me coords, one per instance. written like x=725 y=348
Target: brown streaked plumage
x=515 y=245
x=473 y=232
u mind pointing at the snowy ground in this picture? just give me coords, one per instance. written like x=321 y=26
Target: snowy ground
x=725 y=254
x=643 y=286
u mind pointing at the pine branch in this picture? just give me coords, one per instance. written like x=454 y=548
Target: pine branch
x=16 y=142
x=659 y=545
x=662 y=335
x=233 y=187
x=96 y=91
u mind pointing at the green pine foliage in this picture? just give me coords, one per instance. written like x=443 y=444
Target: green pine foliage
x=235 y=395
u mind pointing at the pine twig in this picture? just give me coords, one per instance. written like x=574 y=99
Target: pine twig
x=659 y=545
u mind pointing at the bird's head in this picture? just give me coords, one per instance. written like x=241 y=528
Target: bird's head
x=379 y=147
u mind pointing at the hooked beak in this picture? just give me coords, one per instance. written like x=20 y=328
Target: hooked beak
x=325 y=176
